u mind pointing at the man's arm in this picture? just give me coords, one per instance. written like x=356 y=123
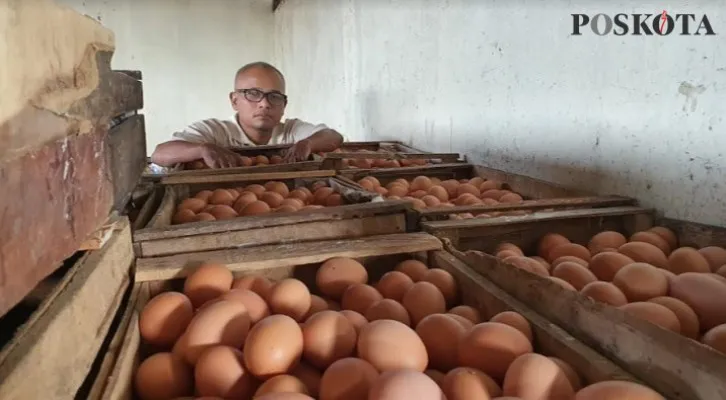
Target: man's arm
x=179 y=151
x=324 y=140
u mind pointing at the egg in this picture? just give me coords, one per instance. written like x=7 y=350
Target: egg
x=336 y=274
x=490 y=184
x=716 y=256
x=255 y=188
x=534 y=376
x=666 y=234
x=423 y=299
x=439 y=193
x=441 y=334
x=491 y=347
x=290 y=297
x=220 y=372
x=489 y=202
x=256 y=208
x=281 y=396
x=321 y=195
x=548 y=242
x=183 y=216
x=570 y=373
x=468 y=383
x=509 y=246
x=569 y=249
x=273 y=199
x=222 y=197
x=393 y=285
x=348 y=379
x=255 y=283
x=436 y=376
x=508 y=253
x=467 y=188
x=652 y=238
x=388 y=309
x=256 y=307
x=705 y=295
x=721 y=271
x=641 y=282
x=516 y=321
x=544 y=262
x=390 y=345
x=273 y=346
x=222 y=212
x=328 y=336
x=420 y=183
x=467 y=324
x=493 y=194
x=203 y=216
x=687 y=259
x=617 y=390
x=527 y=264
x=604 y=292
x=644 y=253
x=654 y=313
x=450 y=186
x=261 y=160
x=468 y=312
x=716 y=338
x=355 y=318
x=299 y=194
x=445 y=282
x=281 y=384
x=165 y=318
x=207 y=282
x=562 y=282
x=243 y=200
x=416 y=270
x=690 y=327
x=224 y=322
x=163 y=376
x=511 y=198
x=381 y=190
x=276 y=159
x=606 y=264
x=397 y=190
x=359 y=297
x=204 y=195
x=577 y=275
x=605 y=240
x=246 y=161
x=286 y=209
x=396 y=385
x=334 y=200
x=317 y=304
x=310 y=376
x=194 y=204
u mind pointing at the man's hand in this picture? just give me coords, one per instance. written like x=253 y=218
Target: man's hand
x=299 y=151
x=219 y=157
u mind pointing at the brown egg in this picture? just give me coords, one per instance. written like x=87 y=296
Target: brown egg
x=716 y=256
x=165 y=318
x=527 y=264
x=224 y=322
x=290 y=297
x=721 y=271
x=467 y=188
x=666 y=234
x=336 y=274
x=416 y=270
x=390 y=345
x=420 y=183
x=194 y=204
x=367 y=184
x=281 y=396
x=548 y=242
x=705 y=295
x=222 y=212
x=321 y=195
x=203 y=216
x=348 y=379
x=261 y=160
x=544 y=262
x=491 y=347
x=234 y=192
x=299 y=194
x=286 y=209
x=450 y=186
x=204 y=195
x=423 y=299
x=183 y=216
x=468 y=383
x=376 y=182
x=489 y=202
x=445 y=282
x=418 y=194
x=163 y=376
x=606 y=264
x=220 y=372
x=605 y=240
x=468 y=312
x=246 y=161
x=575 y=380
x=274 y=346
x=317 y=304
x=716 y=338
x=334 y=200
x=489 y=184
x=273 y=199
x=511 y=198
x=493 y=194
x=381 y=190
x=310 y=376
x=397 y=385
x=281 y=384
x=575 y=274
x=388 y=309
x=207 y=282
x=328 y=336
x=439 y=192
x=397 y=190
x=690 y=327
x=644 y=253
x=441 y=335
x=652 y=238
x=641 y=282
x=393 y=285
x=256 y=307
x=654 y=313
x=359 y=297
x=562 y=282
x=569 y=249
x=516 y=321
x=222 y=197
x=255 y=188
x=534 y=376
x=617 y=390
x=436 y=376
x=243 y=200
x=355 y=318
x=276 y=159
x=508 y=253
x=431 y=201
x=510 y=247
x=256 y=208
x=687 y=259
x=604 y=292
x=257 y=284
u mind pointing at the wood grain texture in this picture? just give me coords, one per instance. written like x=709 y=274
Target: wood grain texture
x=126 y=149
x=222 y=178
x=261 y=169
x=52 y=353
x=694 y=234
x=444 y=157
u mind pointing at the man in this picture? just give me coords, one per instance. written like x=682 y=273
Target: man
x=259 y=101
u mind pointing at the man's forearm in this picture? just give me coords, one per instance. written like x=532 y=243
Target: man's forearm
x=325 y=140
x=176 y=151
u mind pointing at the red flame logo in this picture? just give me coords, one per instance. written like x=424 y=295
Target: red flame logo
x=663 y=20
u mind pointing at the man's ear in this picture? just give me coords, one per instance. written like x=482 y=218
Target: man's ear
x=232 y=99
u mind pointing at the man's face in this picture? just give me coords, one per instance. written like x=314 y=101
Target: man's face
x=263 y=114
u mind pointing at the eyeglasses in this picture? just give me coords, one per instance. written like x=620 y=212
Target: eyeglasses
x=256 y=96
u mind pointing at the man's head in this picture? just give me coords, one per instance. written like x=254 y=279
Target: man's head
x=259 y=95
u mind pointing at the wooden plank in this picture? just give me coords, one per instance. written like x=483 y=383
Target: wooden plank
x=385 y=175
x=54 y=350
x=126 y=149
x=99 y=238
x=675 y=366
x=445 y=157
x=261 y=169
x=222 y=178
x=148 y=210
x=694 y=234
x=529 y=187
x=262 y=257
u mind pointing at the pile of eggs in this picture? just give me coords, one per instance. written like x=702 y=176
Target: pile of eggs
x=244 y=161
x=426 y=192
x=254 y=199
x=401 y=338
x=681 y=289
x=373 y=163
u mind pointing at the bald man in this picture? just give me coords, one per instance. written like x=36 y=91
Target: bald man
x=259 y=101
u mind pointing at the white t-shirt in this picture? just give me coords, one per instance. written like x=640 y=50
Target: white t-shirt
x=228 y=132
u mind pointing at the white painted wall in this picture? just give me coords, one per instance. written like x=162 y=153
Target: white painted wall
x=506 y=84
x=187 y=50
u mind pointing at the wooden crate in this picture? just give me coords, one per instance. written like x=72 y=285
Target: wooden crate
x=364 y=215
x=678 y=367
x=343 y=160
x=52 y=352
x=379 y=254
x=391 y=146
x=539 y=195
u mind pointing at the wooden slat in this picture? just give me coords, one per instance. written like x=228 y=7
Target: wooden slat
x=694 y=234
x=262 y=257
x=261 y=169
x=222 y=178
x=446 y=157
x=126 y=149
x=148 y=209
x=529 y=187
x=52 y=353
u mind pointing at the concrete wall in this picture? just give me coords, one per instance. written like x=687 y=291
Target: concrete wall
x=506 y=84
x=188 y=51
